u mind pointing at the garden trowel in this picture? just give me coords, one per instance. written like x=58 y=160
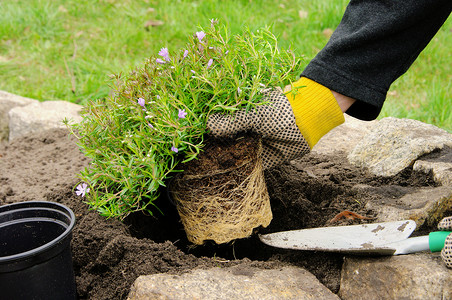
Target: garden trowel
x=388 y=238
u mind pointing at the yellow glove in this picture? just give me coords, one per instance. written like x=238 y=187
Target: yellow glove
x=289 y=125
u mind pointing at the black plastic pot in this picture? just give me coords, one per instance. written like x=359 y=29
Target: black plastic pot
x=35 y=253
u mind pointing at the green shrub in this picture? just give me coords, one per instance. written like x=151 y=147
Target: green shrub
x=155 y=118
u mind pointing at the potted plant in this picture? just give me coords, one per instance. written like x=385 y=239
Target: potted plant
x=153 y=125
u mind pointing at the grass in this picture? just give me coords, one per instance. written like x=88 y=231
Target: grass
x=66 y=49
x=425 y=92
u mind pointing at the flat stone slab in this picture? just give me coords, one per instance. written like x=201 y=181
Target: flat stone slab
x=344 y=137
x=413 y=276
x=440 y=164
x=7 y=102
x=394 y=144
x=426 y=206
x=6 y=97
x=232 y=283
x=40 y=116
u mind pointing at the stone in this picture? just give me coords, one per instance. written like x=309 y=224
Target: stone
x=40 y=116
x=232 y=283
x=394 y=144
x=7 y=102
x=440 y=164
x=414 y=276
x=427 y=206
x=344 y=137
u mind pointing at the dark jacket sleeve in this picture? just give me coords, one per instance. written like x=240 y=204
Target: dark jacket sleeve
x=375 y=43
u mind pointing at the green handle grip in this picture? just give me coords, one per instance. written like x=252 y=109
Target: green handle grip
x=436 y=240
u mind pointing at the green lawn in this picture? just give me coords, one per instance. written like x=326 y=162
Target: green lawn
x=66 y=49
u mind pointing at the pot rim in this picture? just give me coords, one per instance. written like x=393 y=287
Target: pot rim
x=53 y=206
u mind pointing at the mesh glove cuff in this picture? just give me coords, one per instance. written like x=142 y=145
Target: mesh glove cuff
x=446 y=253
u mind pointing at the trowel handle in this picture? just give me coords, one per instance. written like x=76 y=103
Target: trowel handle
x=436 y=240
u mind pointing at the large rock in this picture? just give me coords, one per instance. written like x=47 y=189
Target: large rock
x=344 y=137
x=414 y=276
x=426 y=206
x=40 y=116
x=439 y=164
x=394 y=144
x=232 y=283
x=7 y=102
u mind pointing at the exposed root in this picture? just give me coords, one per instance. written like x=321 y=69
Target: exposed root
x=223 y=206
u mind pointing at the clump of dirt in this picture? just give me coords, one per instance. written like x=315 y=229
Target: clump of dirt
x=222 y=195
x=219 y=155
x=109 y=255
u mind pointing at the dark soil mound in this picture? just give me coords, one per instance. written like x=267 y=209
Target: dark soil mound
x=109 y=255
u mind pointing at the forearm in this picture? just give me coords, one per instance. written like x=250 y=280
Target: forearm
x=375 y=43
x=344 y=102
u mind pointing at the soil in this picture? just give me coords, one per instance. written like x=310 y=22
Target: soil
x=222 y=195
x=108 y=255
x=224 y=163
x=234 y=153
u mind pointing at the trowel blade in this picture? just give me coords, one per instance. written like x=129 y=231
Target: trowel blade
x=357 y=239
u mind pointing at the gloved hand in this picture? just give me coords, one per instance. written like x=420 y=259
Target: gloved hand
x=275 y=122
x=446 y=253
x=290 y=124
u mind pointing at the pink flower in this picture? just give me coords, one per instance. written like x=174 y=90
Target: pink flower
x=209 y=63
x=182 y=113
x=141 y=102
x=150 y=125
x=200 y=35
x=185 y=53
x=164 y=53
x=174 y=149
x=160 y=61
x=82 y=189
